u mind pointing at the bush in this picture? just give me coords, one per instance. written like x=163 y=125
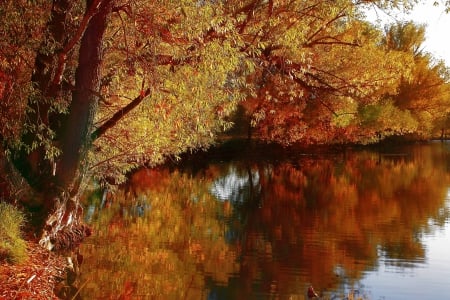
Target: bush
x=12 y=246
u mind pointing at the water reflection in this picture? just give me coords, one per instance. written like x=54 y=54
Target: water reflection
x=236 y=186
x=267 y=229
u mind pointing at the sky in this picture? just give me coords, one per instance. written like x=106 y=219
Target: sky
x=437 y=30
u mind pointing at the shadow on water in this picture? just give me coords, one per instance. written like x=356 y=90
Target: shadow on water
x=250 y=222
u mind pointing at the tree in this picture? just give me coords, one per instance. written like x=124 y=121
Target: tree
x=341 y=80
x=99 y=89
x=319 y=64
x=426 y=94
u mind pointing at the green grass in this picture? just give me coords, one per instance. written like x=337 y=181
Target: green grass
x=12 y=246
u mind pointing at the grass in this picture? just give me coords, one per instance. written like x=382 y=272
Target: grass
x=12 y=246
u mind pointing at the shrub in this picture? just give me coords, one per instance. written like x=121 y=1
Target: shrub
x=12 y=246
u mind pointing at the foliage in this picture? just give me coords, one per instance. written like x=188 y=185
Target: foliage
x=311 y=89
x=350 y=64
x=12 y=246
x=178 y=115
x=426 y=93
x=21 y=33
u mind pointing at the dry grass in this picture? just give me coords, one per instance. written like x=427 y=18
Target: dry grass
x=12 y=246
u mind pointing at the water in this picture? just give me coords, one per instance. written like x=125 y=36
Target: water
x=262 y=223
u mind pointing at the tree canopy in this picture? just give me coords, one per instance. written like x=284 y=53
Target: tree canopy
x=338 y=85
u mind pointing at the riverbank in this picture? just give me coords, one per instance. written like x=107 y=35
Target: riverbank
x=36 y=278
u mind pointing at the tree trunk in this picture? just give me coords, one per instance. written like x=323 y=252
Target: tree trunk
x=63 y=226
x=76 y=139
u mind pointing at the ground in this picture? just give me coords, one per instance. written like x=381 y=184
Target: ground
x=39 y=277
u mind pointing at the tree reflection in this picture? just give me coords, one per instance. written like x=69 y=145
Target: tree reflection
x=247 y=229
x=328 y=220
x=158 y=238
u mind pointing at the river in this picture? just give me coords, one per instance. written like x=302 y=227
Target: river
x=251 y=222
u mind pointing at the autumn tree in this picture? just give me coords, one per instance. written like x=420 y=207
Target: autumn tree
x=426 y=94
x=416 y=104
x=315 y=63
x=100 y=87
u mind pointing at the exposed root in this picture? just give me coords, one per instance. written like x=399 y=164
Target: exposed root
x=70 y=238
x=64 y=229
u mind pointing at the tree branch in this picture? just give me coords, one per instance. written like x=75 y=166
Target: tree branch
x=119 y=115
x=329 y=40
x=341 y=14
x=62 y=56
